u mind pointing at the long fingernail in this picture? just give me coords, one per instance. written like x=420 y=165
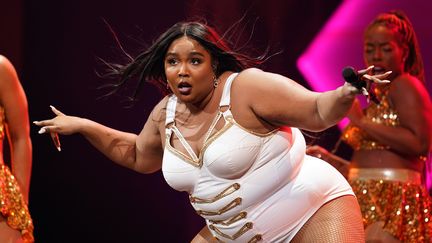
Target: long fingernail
x=35 y=122
x=42 y=130
x=52 y=107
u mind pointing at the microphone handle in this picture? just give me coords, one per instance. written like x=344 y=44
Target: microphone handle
x=358 y=83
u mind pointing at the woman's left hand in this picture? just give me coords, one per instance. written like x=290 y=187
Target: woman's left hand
x=378 y=79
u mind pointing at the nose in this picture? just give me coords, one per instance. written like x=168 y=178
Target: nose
x=183 y=70
x=377 y=55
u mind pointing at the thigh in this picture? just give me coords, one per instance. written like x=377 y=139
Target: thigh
x=376 y=234
x=7 y=234
x=204 y=236
x=338 y=221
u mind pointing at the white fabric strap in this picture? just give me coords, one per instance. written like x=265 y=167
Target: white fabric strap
x=184 y=143
x=170 y=109
x=212 y=126
x=170 y=118
x=225 y=100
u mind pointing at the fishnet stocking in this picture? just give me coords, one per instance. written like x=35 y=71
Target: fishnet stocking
x=338 y=221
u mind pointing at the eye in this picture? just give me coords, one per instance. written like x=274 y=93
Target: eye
x=171 y=61
x=196 y=61
x=387 y=49
x=368 y=50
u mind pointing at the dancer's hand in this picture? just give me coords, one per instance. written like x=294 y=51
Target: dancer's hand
x=377 y=79
x=61 y=124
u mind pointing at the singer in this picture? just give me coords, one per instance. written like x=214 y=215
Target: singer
x=221 y=137
x=391 y=138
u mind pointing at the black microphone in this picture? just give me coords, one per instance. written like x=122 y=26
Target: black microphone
x=351 y=76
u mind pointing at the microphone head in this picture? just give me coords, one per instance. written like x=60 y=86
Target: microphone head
x=350 y=74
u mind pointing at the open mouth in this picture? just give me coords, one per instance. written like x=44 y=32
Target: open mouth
x=378 y=70
x=184 y=88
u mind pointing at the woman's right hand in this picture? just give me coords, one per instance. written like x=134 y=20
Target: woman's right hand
x=61 y=124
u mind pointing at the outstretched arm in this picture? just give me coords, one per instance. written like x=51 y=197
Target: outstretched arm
x=282 y=102
x=14 y=102
x=142 y=153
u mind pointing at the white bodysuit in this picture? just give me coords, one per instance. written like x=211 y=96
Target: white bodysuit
x=250 y=187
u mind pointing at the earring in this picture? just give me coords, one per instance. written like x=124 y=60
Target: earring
x=215 y=82
x=167 y=85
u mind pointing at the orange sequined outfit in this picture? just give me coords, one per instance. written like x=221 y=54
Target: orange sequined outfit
x=395 y=197
x=401 y=202
x=381 y=113
x=12 y=205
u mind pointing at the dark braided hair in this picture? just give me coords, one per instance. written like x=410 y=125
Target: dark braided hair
x=398 y=22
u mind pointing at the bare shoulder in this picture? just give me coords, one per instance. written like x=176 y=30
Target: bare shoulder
x=256 y=74
x=249 y=72
x=6 y=67
x=262 y=80
x=407 y=88
x=8 y=78
x=158 y=113
x=3 y=60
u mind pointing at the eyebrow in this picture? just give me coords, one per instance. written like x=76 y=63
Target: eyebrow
x=380 y=44
x=191 y=54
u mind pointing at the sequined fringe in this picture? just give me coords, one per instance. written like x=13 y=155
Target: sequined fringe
x=12 y=205
x=403 y=207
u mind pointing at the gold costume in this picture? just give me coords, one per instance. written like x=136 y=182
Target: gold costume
x=395 y=197
x=12 y=205
x=381 y=113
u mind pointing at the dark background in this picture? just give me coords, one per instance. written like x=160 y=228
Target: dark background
x=78 y=195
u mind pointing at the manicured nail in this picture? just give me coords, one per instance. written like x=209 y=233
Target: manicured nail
x=42 y=130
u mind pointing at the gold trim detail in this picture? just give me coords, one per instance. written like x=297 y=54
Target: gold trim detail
x=240 y=232
x=234 y=187
x=219 y=240
x=256 y=238
x=189 y=160
x=228 y=222
x=212 y=138
x=228 y=207
x=231 y=120
x=183 y=156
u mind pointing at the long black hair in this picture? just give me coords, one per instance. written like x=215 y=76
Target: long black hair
x=148 y=66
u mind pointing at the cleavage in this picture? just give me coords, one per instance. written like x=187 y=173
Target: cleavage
x=195 y=130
